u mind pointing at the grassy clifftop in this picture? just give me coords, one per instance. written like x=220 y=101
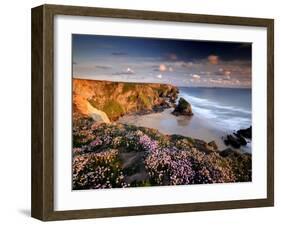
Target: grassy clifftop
x=119 y=98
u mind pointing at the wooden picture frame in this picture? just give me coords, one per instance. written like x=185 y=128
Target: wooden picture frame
x=43 y=112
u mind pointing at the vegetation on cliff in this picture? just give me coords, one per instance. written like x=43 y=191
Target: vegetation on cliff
x=119 y=155
x=119 y=98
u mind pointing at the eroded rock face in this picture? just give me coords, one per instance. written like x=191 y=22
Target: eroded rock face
x=118 y=98
x=183 y=108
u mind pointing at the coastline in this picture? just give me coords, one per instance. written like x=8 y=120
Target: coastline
x=150 y=137
x=195 y=126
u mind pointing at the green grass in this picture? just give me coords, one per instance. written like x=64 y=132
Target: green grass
x=128 y=87
x=145 y=100
x=113 y=109
x=93 y=103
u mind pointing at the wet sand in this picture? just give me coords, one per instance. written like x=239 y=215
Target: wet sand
x=191 y=126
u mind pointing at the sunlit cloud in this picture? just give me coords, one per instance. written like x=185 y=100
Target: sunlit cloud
x=133 y=63
x=103 y=67
x=195 y=76
x=162 y=67
x=128 y=71
x=213 y=59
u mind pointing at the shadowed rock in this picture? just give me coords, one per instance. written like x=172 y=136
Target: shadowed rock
x=247 y=133
x=239 y=138
x=231 y=140
x=183 y=108
x=213 y=145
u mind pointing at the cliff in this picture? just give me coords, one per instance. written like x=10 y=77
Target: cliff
x=106 y=101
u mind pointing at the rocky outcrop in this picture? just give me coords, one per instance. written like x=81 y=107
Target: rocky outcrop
x=183 y=108
x=118 y=98
x=97 y=115
x=238 y=138
x=247 y=133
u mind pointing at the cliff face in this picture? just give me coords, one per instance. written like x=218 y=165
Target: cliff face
x=104 y=100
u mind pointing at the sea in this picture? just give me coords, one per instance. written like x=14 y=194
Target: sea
x=227 y=109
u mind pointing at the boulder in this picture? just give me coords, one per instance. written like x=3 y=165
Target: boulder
x=247 y=133
x=231 y=140
x=183 y=108
x=229 y=152
x=213 y=145
x=240 y=139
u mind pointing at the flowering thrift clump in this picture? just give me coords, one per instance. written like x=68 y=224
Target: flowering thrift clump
x=97 y=170
x=177 y=167
x=118 y=155
x=147 y=143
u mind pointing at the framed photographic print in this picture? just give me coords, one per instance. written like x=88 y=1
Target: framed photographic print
x=141 y=112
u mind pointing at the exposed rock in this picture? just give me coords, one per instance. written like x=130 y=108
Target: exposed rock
x=247 y=133
x=228 y=152
x=97 y=115
x=183 y=108
x=118 y=98
x=205 y=147
x=213 y=145
x=231 y=140
x=239 y=138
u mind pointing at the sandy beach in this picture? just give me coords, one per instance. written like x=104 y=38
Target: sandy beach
x=194 y=126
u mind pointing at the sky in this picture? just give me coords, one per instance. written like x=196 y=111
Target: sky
x=186 y=63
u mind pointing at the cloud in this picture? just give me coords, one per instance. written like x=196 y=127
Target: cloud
x=227 y=73
x=213 y=59
x=103 y=67
x=128 y=71
x=186 y=64
x=224 y=72
x=172 y=57
x=227 y=77
x=119 y=54
x=215 y=81
x=195 y=76
x=162 y=67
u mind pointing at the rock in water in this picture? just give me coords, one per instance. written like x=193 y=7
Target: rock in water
x=247 y=133
x=183 y=108
x=231 y=140
x=240 y=139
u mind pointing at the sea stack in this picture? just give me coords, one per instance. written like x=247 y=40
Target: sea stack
x=183 y=108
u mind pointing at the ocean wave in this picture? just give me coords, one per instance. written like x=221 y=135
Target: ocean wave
x=195 y=100
x=227 y=118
